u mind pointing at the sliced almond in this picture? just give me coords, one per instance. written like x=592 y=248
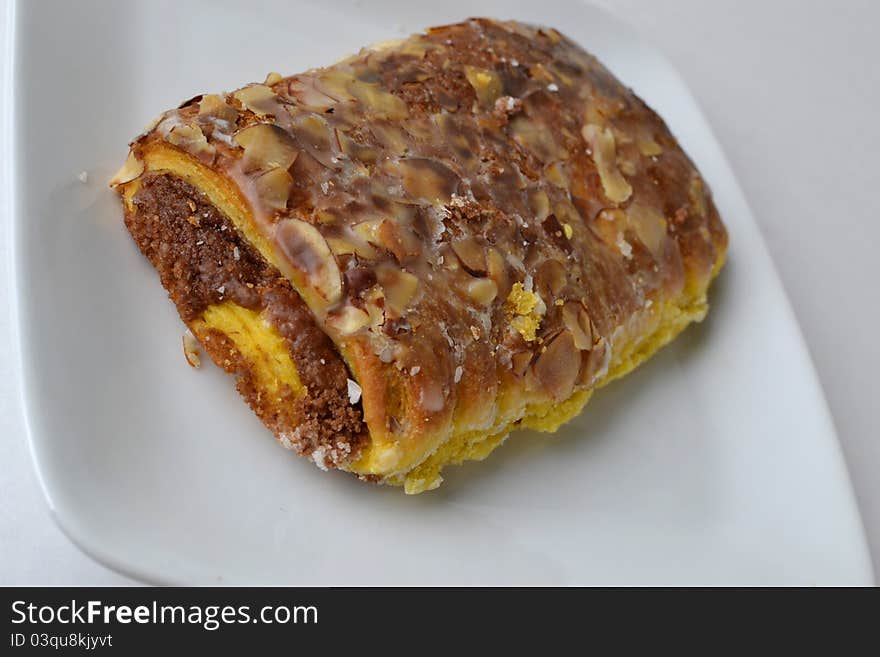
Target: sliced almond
x=391 y=137
x=425 y=179
x=540 y=204
x=647 y=145
x=307 y=251
x=649 y=224
x=576 y=320
x=368 y=231
x=596 y=363
x=482 y=290
x=341 y=246
x=315 y=137
x=557 y=367
x=551 y=278
x=266 y=147
x=601 y=143
x=348 y=320
x=333 y=82
x=215 y=106
x=535 y=137
x=555 y=172
x=354 y=150
x=380 y=103
x=697 y=194
x=273 y=188
x=375 y=305
x=400 y=240
x=610 y=224
x=472 y=255
x=302 y=88
x=273 y=78
x=497 y=271
x=132 y=168
x=353 y=243
x=191 y=350
x=259 y=99
x=487 y=85
x=399 y=286
x=388 y=235
x=520 y=362
x=191 y=139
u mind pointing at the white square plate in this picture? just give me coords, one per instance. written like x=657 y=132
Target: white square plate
x=716 y=462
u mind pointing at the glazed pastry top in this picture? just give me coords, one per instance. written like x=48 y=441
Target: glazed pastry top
x=484 y=197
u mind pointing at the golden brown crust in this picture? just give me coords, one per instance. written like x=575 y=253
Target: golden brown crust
x=480 y=217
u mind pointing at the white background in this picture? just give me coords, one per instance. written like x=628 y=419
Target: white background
x=792 y=90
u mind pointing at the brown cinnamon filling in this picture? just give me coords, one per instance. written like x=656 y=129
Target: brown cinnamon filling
x=202 y=260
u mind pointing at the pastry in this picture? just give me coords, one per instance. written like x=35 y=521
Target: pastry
x=407 y=255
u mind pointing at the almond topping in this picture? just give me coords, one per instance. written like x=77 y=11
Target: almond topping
x=482 y=290
x=555 y=172
x=557 y=367
x=388 y=235
x=375 y=302
x=303 y=89
x=273 y=188
x=520 y=362
x=425 y=179
x=498 y=272
x=191 y=139
x=379 y=102
x=357 y=245
x=540 y=204
x=602 y=147
x=596 y=365
x=354 y=150
x=348 y=320
x=314 y=135
x=273 y=78
x=132 y=168
x=472 y=256
x=551 y=278
x=309 y=254
x=368 y=231
x=191 y=350
x=576 y=320
x=399 y=287
x=647 y=145
x=259 y=99
x=216 y=107
x=266 y=147
x=649 y=225
x=536 y=138
x=486 y=84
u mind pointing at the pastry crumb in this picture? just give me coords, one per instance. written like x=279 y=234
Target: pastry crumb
x=191 y=350
x=354 y=392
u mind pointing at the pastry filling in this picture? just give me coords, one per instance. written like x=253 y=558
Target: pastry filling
x=249 y=319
